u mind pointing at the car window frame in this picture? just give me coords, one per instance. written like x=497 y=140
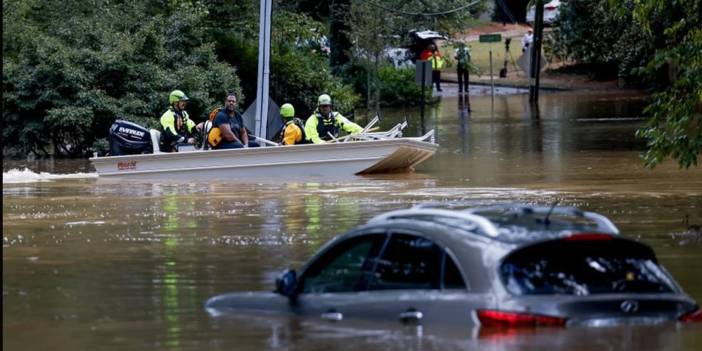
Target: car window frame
x=329 y=247
x=446 y=254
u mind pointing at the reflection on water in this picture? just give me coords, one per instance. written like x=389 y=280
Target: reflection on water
x=90 y=264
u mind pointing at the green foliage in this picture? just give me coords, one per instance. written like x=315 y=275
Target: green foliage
x=71 y=67
x=660 y=42
x=377 y=26
x=406 y=15
x=594 y=33
x=398 y=86
x=675 y=127
x=300 y=70
x=299 y=77
x=68 y=76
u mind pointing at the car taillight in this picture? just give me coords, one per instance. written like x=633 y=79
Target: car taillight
x=588 y=237
x=494 y=318
x=549 y=8
x=694 y=316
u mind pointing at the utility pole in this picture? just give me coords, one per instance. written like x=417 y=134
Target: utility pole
x=535 y=68
x=264 y=52
x=422 y=76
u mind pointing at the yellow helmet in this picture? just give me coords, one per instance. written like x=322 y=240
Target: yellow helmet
x=177 y=95
x=287 y=111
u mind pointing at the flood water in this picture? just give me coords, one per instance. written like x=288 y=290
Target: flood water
x=97 y=265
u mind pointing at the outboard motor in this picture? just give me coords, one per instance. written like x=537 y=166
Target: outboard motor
x=127 y=138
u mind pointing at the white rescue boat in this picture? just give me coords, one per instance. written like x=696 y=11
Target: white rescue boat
x=363 y=153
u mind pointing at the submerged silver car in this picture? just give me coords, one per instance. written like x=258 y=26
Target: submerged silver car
x=501 y=266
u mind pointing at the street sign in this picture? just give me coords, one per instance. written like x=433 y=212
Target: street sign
x=422 y=68
x=490 y=38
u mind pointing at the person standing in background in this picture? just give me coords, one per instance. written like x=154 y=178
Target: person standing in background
x=462 y=56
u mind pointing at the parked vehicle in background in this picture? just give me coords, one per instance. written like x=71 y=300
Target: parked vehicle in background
x=399 y=57
x=421 y=40
x=505 y=266
x=416 y=42
x=551 y=11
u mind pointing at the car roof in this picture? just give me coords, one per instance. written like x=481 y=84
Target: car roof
x=510 y=223
x=428 y=34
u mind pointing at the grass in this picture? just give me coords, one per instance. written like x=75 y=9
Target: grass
x=480 y=55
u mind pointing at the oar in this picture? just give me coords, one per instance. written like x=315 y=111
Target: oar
x=370 y=124
x=268 y=142
x=366 y=129
x=333 y=138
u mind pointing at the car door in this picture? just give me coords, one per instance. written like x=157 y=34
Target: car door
x=416 y=281
x=402 y=278
x=332 y=287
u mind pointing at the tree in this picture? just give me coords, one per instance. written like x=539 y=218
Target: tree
x=675 y=126
x=68 y=76
x=594 y=33
x=300 y=68
x=654 y=41
x=376 y=26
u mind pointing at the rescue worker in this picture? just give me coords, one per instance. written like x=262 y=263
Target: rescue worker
x=324 y=121
x=462 y=56
x=437 y=63
x=527 y=40
x=426 y=53
x=294 y=129
x=231 y=126
x=176 y=125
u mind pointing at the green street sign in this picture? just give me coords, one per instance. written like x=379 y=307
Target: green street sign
x=490 y=38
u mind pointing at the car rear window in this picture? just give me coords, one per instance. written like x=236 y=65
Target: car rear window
x=413 y=262
x=584 y=268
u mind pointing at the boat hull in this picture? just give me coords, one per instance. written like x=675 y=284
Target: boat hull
x=332 y=159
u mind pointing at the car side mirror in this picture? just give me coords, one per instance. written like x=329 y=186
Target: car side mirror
x=286 y=282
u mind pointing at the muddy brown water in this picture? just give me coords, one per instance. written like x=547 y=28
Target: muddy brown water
x=96 y=265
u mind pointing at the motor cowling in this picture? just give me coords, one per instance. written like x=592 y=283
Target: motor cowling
x=127 y=138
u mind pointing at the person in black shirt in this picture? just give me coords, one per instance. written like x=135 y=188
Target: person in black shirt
x=231 y=126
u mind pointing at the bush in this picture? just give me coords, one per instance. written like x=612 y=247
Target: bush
x=300 y=72
x=393 y=86
x=398 y=86
x=594 y=33
x=68 y=76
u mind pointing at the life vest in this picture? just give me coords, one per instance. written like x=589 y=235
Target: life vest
x=177 y=121
x=174 y=125
x=214 y=135
x=327 y=125
x=298 y=122
x=463 y=57
x=437 y=62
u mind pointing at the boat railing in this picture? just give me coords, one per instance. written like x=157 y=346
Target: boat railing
x=368 y=134
x=394 y=132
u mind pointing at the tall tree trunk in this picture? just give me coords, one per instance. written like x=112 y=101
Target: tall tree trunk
x=339 y=32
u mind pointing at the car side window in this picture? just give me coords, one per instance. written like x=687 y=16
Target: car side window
x=345 y=267
x=452 y=275
x=413 y=262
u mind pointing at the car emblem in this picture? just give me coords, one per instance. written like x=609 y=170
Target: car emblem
x=629 y=306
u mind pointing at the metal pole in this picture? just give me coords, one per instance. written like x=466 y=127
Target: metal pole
x=421 y=101
x=264 y=48
x=535 y=66
x=468 y=85
x=492 y=83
